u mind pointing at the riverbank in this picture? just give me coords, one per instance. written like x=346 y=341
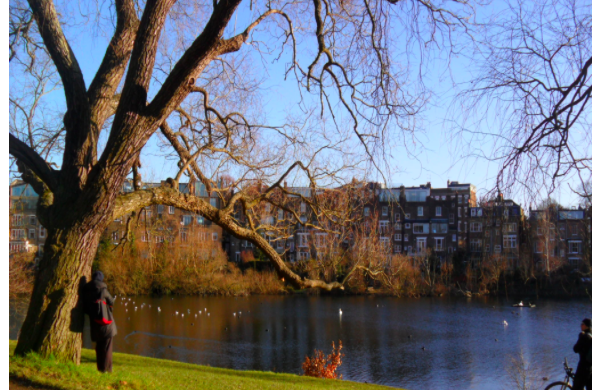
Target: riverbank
x=138 y=372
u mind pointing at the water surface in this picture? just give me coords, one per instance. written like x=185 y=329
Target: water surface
x=428 y=343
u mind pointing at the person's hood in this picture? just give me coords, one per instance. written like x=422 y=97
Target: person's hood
x=98 y=276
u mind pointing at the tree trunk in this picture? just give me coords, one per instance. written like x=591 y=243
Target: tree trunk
x=55 y=319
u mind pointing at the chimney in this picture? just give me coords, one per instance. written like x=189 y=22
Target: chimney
x=285 y=183
x=429 y=185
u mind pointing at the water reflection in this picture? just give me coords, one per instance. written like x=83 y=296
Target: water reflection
x=382 y=337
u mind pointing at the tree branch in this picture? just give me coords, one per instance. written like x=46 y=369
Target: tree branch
x=127 y=203
x=33 y=161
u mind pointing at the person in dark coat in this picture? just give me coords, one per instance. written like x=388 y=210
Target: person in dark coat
x=98 y=304
x=583 y=375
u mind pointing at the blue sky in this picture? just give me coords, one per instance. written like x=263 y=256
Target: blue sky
x=436 y=156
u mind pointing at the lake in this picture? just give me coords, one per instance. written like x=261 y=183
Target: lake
x=465 y=344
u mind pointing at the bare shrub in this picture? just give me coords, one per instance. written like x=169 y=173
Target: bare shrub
x=321 y=366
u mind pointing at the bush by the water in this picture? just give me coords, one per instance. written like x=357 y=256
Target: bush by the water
x=321 y=366
x=196 y=268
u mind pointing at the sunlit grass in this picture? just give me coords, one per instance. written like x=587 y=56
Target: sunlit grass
x=137 y=372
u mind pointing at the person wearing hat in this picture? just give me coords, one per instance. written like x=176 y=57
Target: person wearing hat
x=583 y=375
x=98 y=304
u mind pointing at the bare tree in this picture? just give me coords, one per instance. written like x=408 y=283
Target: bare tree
x=531 y=95
x=158 y=74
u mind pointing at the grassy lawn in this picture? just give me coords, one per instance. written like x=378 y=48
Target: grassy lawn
x=137 y=372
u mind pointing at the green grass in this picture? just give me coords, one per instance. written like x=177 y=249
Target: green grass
x=138 y=372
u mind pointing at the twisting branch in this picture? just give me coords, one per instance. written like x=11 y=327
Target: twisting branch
x=27 y=156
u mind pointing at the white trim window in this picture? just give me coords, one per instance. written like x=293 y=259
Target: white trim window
x=397 y=248
x=421 y=228
x=42 y=232
x=214 y=236
x=439 y=244
x=32 y=234
x=115 y=236
x=17 y=220
x=303 y=207
x=366 y=211
x=398 y=226
x=406 y=237
x=407 y=225
x=383 y=227
x=438 y=211
x=454 y=238
x=321 y=240
x=384 y=242
x=159 y=209
x=420 y=211
x=459 y=212
x=459 y=226
x=475 y=245
x=397 y=217
x=476 y=227
x=303 y=240
x=171 y=210
x=280 y=214
x=451 y=218
x=17 y=234
x=574 y=247
x=510 y=241
x=385 y=211
x=183 y=236
x=408 y=216
x=186 y=220
x=397 y=237
x=32 y=220
x=421 y=244
x=497 y=249
x=513 y=227
x=466 y=211
x=303 y=255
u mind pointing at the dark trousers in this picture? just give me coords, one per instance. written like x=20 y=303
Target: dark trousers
x=104 y=349
x=581 y=379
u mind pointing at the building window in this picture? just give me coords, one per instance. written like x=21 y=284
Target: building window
x=406 y=237
x=171 y=209
x=160 y=209
x=487 y=248
x=498 y=249
x=214 y=236
x=397 y=217
x=497 y=222
x=451 y=218
x=398 y=226
x=510 y=242
x=421 y=228
x=460 y=212
x=31 y=234
x=303 y=255
x=186 y=220
x=115 y=236
x=303 y=240
x=408 y=216
x=511 y=227
x=421 y=244
x=303 y=208
x=17 y=220
x=384 y=242
x=321 y=240
x=574 y=247
x=397 y=237
x=454 y=238
x=466 y=211
x=459 y=226
x=475 y=245
x=407 y=225
x=366 y=211
x=42 y=232
x=183 y=236
x=148 y=213
x=538 y=247
x=420 y=211
x=476 y=227
x=443 y=197
x=438 y=211
x=506 y=213
x=383 y=225
x=280 y=214
x=384 y=211
x=398 y=248
x=439 y=244
x=17 y=234
x=32 y=220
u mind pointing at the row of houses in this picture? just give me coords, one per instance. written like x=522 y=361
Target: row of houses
x=413 y=221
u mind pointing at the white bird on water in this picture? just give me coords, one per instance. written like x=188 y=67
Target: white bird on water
x=505 y=323
x=159 y=309
x=340 y=312
x=234 y=314
x=200 y=312
x=176 y=313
